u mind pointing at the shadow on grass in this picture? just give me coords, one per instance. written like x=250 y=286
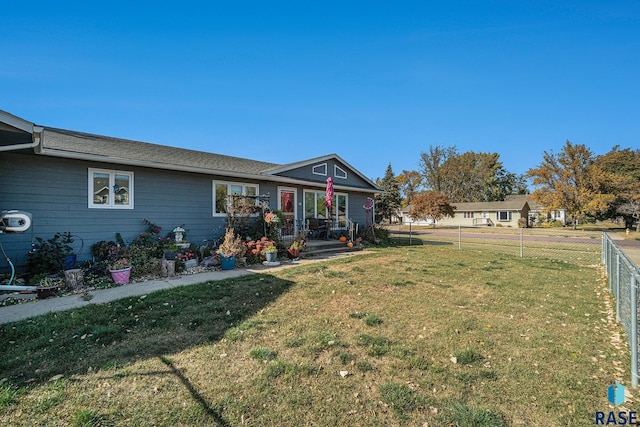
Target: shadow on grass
x=196 y=395
x=406 y=241
x=115 y=334
x=436 y=243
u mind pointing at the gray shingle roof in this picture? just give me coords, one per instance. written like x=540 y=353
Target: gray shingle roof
x=117 y=148
x=514 y=203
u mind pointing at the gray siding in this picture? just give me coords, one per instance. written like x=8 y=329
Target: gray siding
x=305 y=172
x=356 y=210
x=55 y=191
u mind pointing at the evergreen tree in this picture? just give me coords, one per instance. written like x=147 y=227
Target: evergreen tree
x=388 y=202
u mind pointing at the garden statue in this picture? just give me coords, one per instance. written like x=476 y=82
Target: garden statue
x=179 y=232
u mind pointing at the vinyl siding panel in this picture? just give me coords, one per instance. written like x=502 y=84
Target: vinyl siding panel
x=55 y=191
x=305 y=172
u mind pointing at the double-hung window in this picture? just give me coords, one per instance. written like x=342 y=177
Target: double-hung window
x=225 y=193
x=110 y=189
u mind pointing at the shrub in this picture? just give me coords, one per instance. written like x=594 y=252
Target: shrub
x=256 y=250
x=47 y=256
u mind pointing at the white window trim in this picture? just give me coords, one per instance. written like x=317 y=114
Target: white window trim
x=509 y=216
x=228 y=183
x=315 y=192
x=343 y=173
x=112 y=173
x=295 y=199
x=324 y=165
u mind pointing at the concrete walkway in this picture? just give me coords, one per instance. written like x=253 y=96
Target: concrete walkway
x=16 y=312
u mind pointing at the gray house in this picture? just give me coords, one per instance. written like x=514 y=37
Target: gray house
x=96 y=186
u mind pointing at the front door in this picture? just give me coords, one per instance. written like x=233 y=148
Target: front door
x=287 y=205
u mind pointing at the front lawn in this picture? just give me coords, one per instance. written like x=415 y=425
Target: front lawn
x=418 y=335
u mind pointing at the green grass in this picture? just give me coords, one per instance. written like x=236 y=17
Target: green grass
x=262 y=353
x=413 y=335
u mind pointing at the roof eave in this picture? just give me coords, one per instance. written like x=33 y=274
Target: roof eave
x=308 y=162
x=129 y=162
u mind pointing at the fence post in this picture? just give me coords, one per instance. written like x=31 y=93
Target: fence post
x=410 y=235
x=459 y=237
x=609 y=261
x=521 y=232
x=617 y=285
x=634 y=331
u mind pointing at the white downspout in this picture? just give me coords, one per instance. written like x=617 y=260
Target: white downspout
x=36 y=134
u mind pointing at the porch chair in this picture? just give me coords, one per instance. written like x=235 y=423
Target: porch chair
x=317 y=228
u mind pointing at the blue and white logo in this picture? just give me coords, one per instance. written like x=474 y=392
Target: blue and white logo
x=615 y=394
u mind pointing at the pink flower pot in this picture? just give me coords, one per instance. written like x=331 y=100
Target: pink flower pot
x=121 y=277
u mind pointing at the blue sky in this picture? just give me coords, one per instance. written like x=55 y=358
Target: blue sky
x=375 y=82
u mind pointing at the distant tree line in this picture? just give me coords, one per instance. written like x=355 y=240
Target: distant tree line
x=602 y=187
x=605 y=186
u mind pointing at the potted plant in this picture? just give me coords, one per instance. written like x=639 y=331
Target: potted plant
x=120 y=270
x=294 y=249
x=47 y=287
x=169 y=249
x=69 y=262
x=188 y=257
x=231 y=248
x=271 y=253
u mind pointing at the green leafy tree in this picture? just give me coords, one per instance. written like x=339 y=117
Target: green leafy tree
x=621 y=170
x=431 y=205
x=570 y=181
x=388 y=202
x=433 y=166
x=468 y=177
x=409 y=182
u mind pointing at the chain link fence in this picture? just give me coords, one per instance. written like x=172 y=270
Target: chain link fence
x=581 y=247
x=624 y=277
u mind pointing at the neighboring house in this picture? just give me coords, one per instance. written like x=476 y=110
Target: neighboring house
x=538 y=213
x=405 y=218
x=96 y=186
x=507 y=213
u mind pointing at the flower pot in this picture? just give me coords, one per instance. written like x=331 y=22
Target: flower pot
x=227 y=263
x=70 y=262
x=271 y=256
x=46 y=291
x=170 y=255
x=293 y=253
x=121 y=277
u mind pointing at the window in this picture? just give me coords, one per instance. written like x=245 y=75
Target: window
x=504 y=216
x=320 y=169
x=223 y=190
x=468 y=214
x=338 y=172
x=110 y=189
x=315 y=207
